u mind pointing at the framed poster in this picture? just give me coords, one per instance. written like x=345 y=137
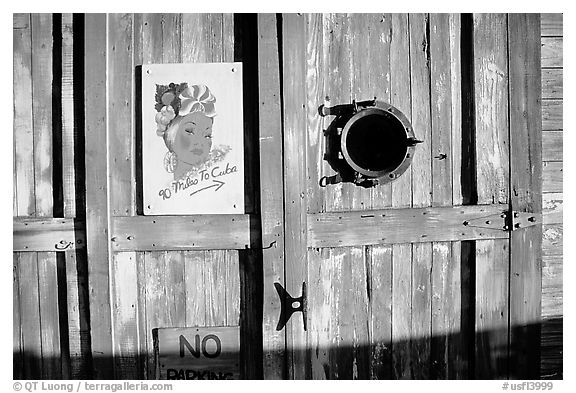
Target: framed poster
x=192 y=139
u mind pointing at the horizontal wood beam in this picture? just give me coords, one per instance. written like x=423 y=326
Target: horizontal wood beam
x=48 y=234
x=194 y=232
x=432 y=224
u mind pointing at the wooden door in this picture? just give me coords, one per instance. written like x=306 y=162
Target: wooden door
x=437 y=274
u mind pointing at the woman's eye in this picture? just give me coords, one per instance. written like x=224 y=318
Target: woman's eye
x=189 y=130
x=208 y=136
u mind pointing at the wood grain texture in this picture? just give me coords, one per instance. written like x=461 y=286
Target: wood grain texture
x=552 y=52
x=182 y=232
x=271 y=194
x=17 y=353
x=42 y=111
x=121 y=109
x=47 y=234
x=30 y=315
x=456 y=97
x=552 y=83
x=400 y=97
x=417 y=225
x=552 y=207
x=49 y=316
x=552 y=146
x=69 y=133
x=552 y=176
x=492 y=176
x=23 y=128
x=379 y=260
x=552 y=240
x=125 y=314
x=96 y=195
x=552 y=111
x=526 y=194
x=294 y=74
x=78 y=314
x=551 y=24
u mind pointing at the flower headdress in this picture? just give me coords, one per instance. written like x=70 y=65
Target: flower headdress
x=179 y=100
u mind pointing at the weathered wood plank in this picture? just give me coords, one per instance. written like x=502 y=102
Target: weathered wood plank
x=47 y=234
x=156 y=311
x=552 y=83
x=492 y=174
x=552 y=207
x=552 y=52
x=552 y=287
x=552 y=240
x=456 y=95
x=215 y=287
x=422 y=191
x=20 y=21
x=124 y=301
x=379 y=260
x=526 y=196
x=552 y=111
x=78 y=323
x=23 y=130
x=294 y=74
x=552 y=144
x=400 y=97
x=49 y=316
x=195 y=232
x=358 y=316
x=67 y=117
x=402 y=311
x=492 y=283
x=17 y=354
x=404 y=225
x=232 y=266
x=551 y=25
x=42 y=111
x=121 y=111
x=552 y=176
x=271 y=194
x=96 y=195
x=30 y=315
x=194 y=288
x=320 y=302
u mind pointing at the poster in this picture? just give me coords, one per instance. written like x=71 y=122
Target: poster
x=192 y=139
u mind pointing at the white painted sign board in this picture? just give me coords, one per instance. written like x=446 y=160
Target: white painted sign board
x=192 y=139
x=207 y=353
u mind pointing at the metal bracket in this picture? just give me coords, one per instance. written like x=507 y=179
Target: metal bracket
x=290 y=305
x=505 y=221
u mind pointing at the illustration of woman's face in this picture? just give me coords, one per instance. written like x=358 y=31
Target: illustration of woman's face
x=194 y=138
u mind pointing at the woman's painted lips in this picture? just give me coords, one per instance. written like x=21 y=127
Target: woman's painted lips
x=197 y=151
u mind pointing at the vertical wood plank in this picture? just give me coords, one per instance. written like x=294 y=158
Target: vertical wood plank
x=23 y=131
x=319 y=305
x=78 y=324
x=96 y=194
x=30 y=315
x=526 y=194
x=380 y=259
x=42 y=111
x=122 y=133
x=456 y=94
x=214 y=284
x=232 y=280
x=419 y=26
x=400 y=97
x=194 y=284
x=271 y=193
x=492 y=282
x=294 y=73
x=156 y=311
x=17 y=355
x=49 y=316
x=143 y=333
x=445 y=348
x=359 y=316
x=124 y=282
x=67 y=117
x=492 y=171
x=315 y=81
